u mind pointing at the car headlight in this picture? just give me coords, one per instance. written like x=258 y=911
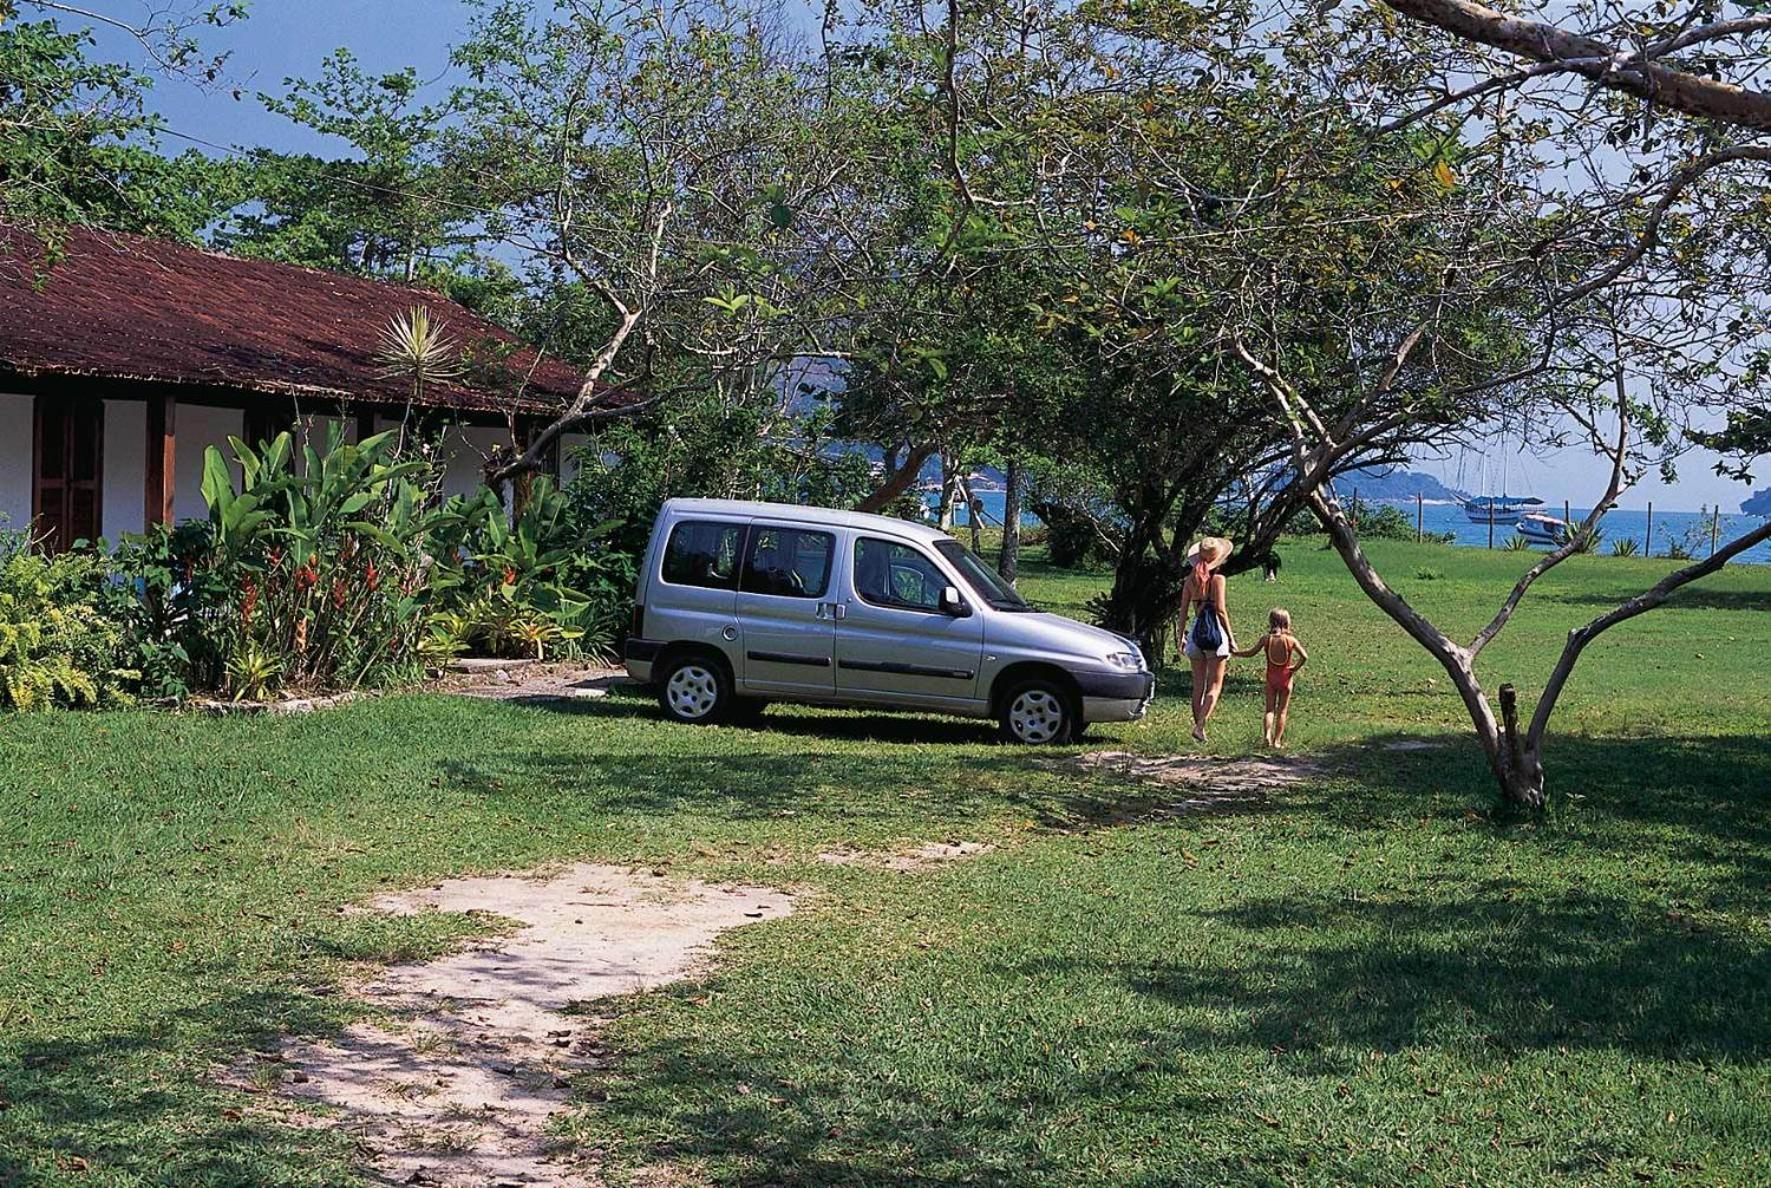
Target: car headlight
x=1130 y=660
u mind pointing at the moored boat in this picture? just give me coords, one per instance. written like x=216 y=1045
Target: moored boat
x=1497 y=509
x=1539 y=528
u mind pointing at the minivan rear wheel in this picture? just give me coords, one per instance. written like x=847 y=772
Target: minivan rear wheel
x=1038 y=713
x=695 y=690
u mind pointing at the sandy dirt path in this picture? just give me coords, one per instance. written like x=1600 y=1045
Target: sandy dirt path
x=458 y=1088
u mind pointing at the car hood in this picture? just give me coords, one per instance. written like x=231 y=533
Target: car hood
x=1056 y=633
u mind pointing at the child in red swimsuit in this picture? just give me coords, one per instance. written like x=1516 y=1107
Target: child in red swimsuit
x=1285 y=655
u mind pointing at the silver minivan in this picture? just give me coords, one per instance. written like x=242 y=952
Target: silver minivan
x=743 y=603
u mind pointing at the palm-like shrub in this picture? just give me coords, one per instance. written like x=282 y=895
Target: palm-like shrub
x=1625 y=546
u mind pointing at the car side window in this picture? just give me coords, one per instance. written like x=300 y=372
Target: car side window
x=701 y=553
x=788 y=562
x=896 y=575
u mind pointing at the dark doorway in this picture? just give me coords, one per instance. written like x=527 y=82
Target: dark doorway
x=69 y=470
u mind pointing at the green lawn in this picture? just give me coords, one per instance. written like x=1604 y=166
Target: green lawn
x=1373 y=981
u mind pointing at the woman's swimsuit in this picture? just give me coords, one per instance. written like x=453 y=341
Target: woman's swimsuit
x=1282 y=672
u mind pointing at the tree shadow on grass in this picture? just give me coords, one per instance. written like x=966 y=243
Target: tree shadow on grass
x=798 y=761
x=881 y=785
x=1693 y=798
x=854 y=1119
x=107 y=1106
x=1509 y=971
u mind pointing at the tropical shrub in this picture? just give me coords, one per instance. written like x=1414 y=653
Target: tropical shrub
x=60 y=642
x=311 y=575
x=527 y=585
x=1517 y=544
x=1625 y=546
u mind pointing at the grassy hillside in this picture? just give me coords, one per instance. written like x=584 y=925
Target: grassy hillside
x=1372 y=981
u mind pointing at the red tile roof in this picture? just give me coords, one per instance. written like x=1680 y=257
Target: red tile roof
x=125 y=307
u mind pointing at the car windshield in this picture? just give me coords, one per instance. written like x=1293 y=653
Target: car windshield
x=981 y=578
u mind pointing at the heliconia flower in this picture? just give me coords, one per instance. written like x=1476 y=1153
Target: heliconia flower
x=510 y=575
x=371 y=577
x=340 y=594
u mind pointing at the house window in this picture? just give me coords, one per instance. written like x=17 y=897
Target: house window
x=68 y=470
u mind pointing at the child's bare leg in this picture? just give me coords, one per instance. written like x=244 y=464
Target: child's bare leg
x=1282 y=714
x=1268 y=718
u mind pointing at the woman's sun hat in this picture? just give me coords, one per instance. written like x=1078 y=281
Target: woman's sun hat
x=1213 y=550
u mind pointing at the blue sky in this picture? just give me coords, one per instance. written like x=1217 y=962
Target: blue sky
x=288 y=38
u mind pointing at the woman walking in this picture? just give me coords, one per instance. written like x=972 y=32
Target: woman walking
x=1209 y=642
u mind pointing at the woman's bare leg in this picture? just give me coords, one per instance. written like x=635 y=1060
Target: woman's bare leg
x=1200 y=683
x=1214 y=690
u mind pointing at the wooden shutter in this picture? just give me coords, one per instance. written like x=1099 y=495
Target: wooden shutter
x=68 y=470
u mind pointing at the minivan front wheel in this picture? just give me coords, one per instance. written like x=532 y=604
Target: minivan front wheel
x=1038 y=713
x=695 y=690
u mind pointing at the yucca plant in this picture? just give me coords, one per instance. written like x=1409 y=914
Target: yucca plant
x=1588 y=542
x=1625 y=546
x=1516 y=544
x=419 y=351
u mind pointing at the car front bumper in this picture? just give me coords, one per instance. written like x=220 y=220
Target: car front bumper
x=1116 y=697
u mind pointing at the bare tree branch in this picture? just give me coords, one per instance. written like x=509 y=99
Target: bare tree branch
x=1608 y=66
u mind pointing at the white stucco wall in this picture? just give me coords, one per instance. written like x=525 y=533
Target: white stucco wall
x=126 y=468
x=463 y=452
x=15 y=461
x=199 y=427
x=125 y=459
x=570 y=444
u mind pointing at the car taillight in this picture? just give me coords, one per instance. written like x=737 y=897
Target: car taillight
x=636 y=627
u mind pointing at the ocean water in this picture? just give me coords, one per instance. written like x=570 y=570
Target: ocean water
x=1691 y=529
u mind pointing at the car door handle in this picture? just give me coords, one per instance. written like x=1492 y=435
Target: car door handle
x=832 y=610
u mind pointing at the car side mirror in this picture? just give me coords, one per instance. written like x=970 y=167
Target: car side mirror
x=953 y=604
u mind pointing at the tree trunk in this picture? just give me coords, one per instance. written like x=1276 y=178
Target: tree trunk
x=1008 y=565
x=949 y=490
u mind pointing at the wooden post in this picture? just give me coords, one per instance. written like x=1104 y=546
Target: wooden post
x=1648 y=542
x=162 y=468
x=1715 y=528
x=365 y=424
x=1567 y=519
x=1420 y=516
x=1490 y=508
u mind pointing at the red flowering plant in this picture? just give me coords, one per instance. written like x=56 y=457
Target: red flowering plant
x=310 y=572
